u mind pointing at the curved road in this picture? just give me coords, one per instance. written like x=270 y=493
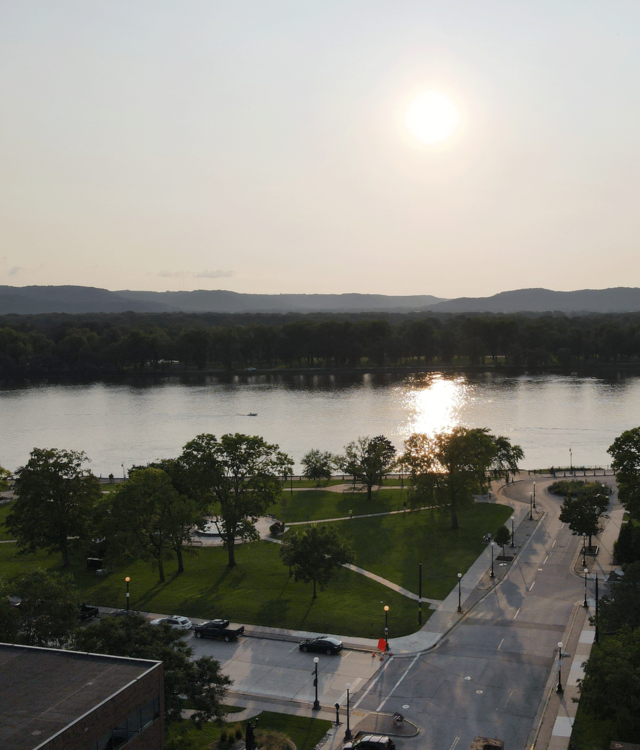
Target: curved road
x=487 y=677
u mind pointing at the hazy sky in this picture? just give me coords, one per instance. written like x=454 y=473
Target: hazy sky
x=261 y=146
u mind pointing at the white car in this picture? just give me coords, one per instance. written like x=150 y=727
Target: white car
x=177 y=622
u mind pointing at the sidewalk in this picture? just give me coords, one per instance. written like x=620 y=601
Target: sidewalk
x=559 y=711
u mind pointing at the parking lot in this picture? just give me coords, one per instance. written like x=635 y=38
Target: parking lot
x=263 y=667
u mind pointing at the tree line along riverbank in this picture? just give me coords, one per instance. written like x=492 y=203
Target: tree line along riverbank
x=112 y=345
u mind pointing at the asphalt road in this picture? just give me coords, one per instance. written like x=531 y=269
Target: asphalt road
x=487 y=676
x=278 y=669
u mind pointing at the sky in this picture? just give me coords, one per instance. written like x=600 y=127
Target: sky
x=262 y=146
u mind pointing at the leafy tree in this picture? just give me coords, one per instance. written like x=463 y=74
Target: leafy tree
x=4 y=479
x=502 y=537
x=185 y=512
x=448 y=468
x=144 y=517
x=369 y=459
x=625 y=451
x=316 y=554
x=627 y=547
x=241 y=476
x=47 y=612
x=609 y=689
x=56 y=500
x=582 y=513
x=318 y=465
x=199 y=681
x=621 y=607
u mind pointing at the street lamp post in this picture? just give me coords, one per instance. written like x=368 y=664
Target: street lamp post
x=347 y=734
x=420 y=593
x=570 y=460
x=586 y=603
x=596 y=637
x=337 y=706
x=560 y=689
x=492 y=575
x=584 y=550
x=459 y=592
x=126 y=580
x=316 y=702
x=531 y=507
x=124 y=476
x=534 y=495
x=513 y=533
x=386 y=627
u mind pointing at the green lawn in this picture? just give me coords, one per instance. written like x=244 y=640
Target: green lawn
x=305 y=732
x=4 y=512
x=257 y=591
x=392 y=546
x=315 y=505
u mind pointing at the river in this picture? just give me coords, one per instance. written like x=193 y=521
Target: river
x=119 y=425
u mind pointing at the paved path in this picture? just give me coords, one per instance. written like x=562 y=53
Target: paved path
x=362 y=515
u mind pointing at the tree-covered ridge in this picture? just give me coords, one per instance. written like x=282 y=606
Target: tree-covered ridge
x=93 y=345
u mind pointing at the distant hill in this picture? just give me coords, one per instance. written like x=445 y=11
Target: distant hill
x=619 y=299
x=234 y=302
x=31 y=300
x=82 y=299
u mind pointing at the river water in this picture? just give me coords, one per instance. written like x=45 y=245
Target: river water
x=125 y=424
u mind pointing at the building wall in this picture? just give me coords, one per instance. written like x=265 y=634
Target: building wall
x=84 y=734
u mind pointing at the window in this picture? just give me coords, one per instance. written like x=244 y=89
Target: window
x=136 y=722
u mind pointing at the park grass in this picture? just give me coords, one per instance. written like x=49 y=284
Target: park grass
x=5 y=508
x=305 y=732
x=316 y=505
x=392 y=546
x=258 y=591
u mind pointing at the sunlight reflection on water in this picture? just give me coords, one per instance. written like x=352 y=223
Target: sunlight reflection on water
x=434 y=404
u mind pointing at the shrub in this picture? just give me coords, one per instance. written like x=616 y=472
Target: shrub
x=274 y=741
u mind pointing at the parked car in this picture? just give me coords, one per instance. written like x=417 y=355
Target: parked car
x=175 y=621
x=371 y=742
x=87 y=613
x=323 y=645
x=218 y=629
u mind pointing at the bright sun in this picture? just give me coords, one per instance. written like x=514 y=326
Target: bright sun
x=432 y=117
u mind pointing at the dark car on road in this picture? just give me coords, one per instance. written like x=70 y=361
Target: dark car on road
x=217 y=629
x=323 y=645
x=371 y=742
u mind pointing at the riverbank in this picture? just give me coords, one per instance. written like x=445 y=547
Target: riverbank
x=187 y=375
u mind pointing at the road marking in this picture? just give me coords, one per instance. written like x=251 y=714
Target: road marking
x=295 y=648
x=562 y=527
x=532 y=585
x=501 y=642
x=545 y=559
x=393 y=689
x=366 y=692
x=517 y=613
x=455 y=742
x=554 y=543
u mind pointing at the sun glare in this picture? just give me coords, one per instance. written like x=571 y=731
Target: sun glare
x=434 y=405
x=432 y=117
